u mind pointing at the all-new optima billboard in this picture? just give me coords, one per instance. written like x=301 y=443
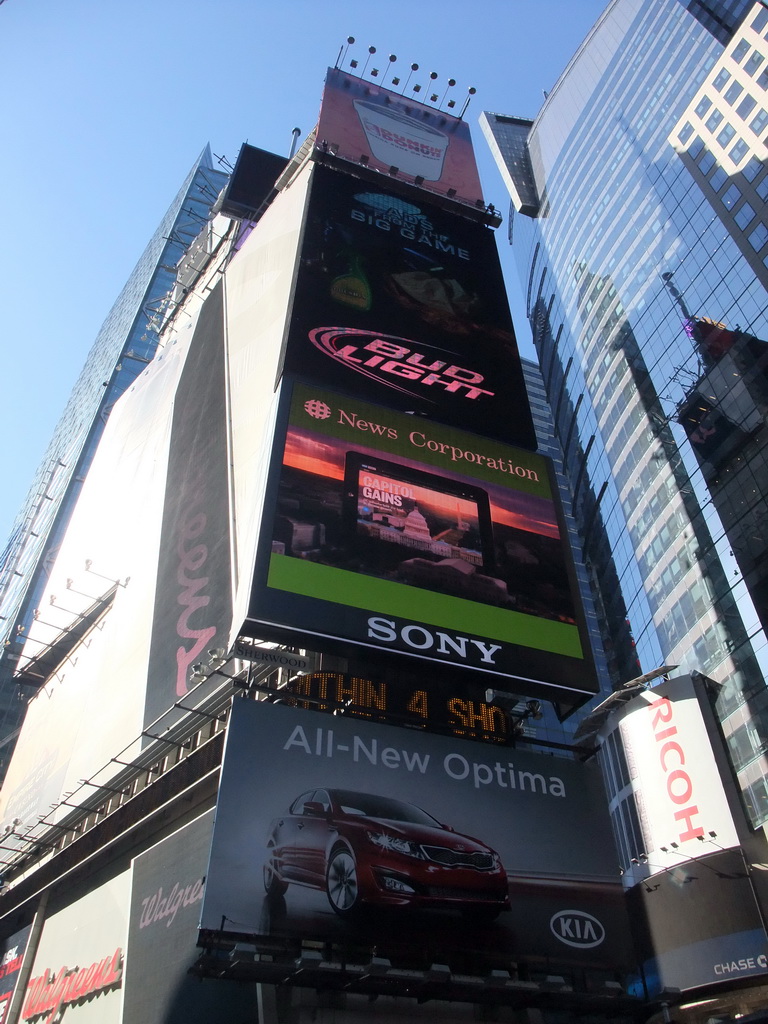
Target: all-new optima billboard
x=403 y=304
x=361 y=120
x=357 y=829
x=401 y=535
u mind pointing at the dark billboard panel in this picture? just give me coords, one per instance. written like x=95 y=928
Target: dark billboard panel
x=411 y=841
x=404 y=304
x=361 y=120
x=397 y=534
x=166 y=897
x=193 y=599
x=699 y=924
x=11 y=956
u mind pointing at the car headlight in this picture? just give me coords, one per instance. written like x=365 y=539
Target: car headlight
x=395 y=844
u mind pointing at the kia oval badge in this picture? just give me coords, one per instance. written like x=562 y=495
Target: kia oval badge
x=577 y=928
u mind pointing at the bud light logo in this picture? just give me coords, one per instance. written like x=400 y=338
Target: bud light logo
x=577 y=928
x=401 y=364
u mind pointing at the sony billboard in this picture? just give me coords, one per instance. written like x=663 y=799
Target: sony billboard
x=401 y=536
x=356 y=830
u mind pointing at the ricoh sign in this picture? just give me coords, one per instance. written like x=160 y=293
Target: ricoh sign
x=674 y=774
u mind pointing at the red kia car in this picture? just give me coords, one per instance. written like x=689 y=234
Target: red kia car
x=366 y=850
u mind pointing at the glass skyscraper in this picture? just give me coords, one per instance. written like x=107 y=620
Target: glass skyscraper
x=127 y=341
x=640 y=229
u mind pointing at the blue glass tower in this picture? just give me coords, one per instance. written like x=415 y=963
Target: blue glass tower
x=640 y=229
x=126 y=342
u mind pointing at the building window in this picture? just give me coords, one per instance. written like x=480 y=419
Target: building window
x=703 y=106
x=762 y=189
x=754 y=62
x=714 y=120
x=752 y=168
x=731 y=196
x=744 y=217
x=746 y=107
x=740 y=51
x=762 y=79
x=761 y=19
x=696 y=147
x=759 y=122
x=721 y=79
x=733 y=92
x=759 y=237
x=718 y=179
x=685 y=132
x=726 y=135
x=739 y=151
x=706 y=162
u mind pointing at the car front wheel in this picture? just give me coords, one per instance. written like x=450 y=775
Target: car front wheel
x=273 y=885
x=341 y=883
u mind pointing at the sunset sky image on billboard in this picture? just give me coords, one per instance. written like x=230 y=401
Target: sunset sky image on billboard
x=378 y=512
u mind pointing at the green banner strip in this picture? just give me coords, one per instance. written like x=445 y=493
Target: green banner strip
x=311 y=579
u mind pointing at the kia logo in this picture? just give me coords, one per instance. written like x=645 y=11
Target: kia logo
x=577 y=928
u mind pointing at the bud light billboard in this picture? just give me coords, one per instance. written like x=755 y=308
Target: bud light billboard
x=395 y=134
x=404 y=304
x=405 y=538
x=361 y=832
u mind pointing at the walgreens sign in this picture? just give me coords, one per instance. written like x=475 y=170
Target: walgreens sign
x=49 y=994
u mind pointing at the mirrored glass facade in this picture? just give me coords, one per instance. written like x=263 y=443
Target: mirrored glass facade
x=643 y=257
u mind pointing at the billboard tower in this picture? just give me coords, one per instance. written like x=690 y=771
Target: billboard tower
x=341 y=508
x=408 y=520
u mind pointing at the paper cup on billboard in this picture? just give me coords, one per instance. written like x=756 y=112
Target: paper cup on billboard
x=403 y=142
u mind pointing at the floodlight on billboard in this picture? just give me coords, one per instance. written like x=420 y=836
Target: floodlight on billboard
x=396 y=534
x=405 y=305
x=358 y=816
x=363 y=123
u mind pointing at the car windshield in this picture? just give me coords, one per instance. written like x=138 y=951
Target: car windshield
x=365 y=805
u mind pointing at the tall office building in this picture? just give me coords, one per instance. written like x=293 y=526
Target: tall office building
x=125 y=344
x=640 y=228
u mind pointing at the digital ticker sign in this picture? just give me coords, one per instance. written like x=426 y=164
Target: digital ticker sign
x=428 y=704
x=397 y=536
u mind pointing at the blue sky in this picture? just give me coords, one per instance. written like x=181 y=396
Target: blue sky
x=106 y=106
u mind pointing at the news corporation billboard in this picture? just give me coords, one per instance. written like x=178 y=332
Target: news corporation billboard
x=359 y=119
x=404 y=304
x=341 y=829
x=397 y=534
